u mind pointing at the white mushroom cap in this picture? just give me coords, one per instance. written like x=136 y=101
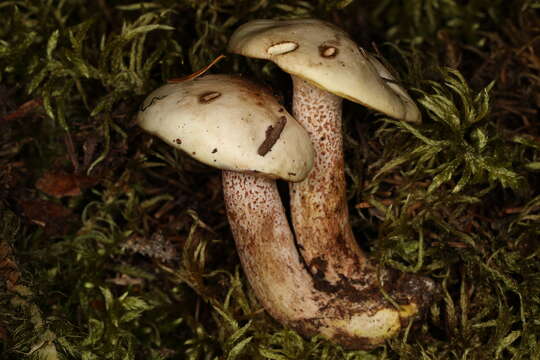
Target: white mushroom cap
x=229 y=123
x=325 y=56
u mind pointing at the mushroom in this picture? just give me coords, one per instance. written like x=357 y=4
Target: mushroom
x=237 y=126
x=326 y=66
x=229 y=123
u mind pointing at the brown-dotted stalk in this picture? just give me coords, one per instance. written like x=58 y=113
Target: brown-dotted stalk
x=293 y=296
x=318 y=204
x=319 y=208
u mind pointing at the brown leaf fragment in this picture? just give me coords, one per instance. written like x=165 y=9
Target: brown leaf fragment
x=60 y=184
x=9 y=271
x=272 y=135
x=363 y=205
x=22 y=110
x=54 y=218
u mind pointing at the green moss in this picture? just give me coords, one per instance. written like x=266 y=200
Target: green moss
x=140 y=263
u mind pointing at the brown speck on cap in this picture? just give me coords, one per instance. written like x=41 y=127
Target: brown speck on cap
x=272 y=135
x=178 y=141
x=206 y=97
x=214 y=151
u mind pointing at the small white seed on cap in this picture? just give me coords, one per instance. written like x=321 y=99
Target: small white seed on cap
x=328 y=51
x=282 y=48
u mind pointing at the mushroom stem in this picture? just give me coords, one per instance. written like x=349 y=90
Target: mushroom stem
x=318 y=203
x=265 y=245
x=276 y=272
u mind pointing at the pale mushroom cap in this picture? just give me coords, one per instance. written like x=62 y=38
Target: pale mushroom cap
x=229 y=123
x=325 y=56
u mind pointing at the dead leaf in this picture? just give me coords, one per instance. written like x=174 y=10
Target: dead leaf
x=22 y=110
x=8 y=268
x=54 y=218
x=60 y=184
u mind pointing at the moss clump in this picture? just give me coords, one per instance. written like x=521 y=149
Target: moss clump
x=113 y=246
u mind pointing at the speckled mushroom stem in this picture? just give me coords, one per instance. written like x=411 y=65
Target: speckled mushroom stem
x=318 y=204
x=265 y=244
x=277 y=274
x=321 y=220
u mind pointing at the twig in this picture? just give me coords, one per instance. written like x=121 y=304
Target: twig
x=22 y=110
